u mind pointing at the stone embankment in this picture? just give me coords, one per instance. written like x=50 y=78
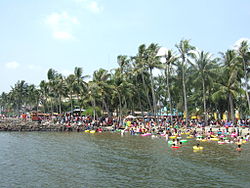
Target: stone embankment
x=28 y=125
x=13 y=124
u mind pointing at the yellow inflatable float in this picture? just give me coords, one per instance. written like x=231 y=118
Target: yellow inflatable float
x=203 y=140
x=93 y=131
x=197 y=148
x=86 y=131
x=172 y=137
x=214 y=139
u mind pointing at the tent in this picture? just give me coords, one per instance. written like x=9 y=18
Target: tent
x=130 y=117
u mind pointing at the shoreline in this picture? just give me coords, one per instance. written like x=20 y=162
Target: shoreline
x=20 y=125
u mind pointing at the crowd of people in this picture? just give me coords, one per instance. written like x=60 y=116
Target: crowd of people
x=221 y=132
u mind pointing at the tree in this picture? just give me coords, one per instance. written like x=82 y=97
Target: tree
x=244 y=55
x=80 y=84
x=140 y=69
x=101 y=78
x=152 y=61
x=185 y=50
x=169 y=59
x=33 y=96
x=44 y=89
x=228 y=83
x=71 y=87
x=203 y=70
x=18 y=95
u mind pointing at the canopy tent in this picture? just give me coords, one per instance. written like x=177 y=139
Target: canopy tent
x=130 y=117
x=165 y=112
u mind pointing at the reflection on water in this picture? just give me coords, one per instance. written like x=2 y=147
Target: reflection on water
x=109 y=160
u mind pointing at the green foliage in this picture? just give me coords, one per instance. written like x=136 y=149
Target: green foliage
x=189 y=80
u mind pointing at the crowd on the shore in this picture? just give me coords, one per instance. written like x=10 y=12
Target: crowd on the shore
x=222 y=132
x=178 y=133
x=146 y=124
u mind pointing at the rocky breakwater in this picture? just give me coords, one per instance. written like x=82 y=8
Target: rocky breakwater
x=28 y=125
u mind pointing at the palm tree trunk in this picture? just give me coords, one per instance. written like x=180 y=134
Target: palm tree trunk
x=184 y=93
x=204 y=101
x=52 y=108
x=246 y=85
x=169 y=95
x=94 y=112
x=60 y=105
x=146 y=90
x=153 y=93
x=106 y=107
x=36 y=105
x=79 y=102
x=71 y=103
x=125 y=105
x=120 y=109
x=44 y=105
x=231 y=105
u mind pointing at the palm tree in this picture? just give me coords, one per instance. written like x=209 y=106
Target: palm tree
x=81 y=85
x=70 y=82
x=121 y=92
x=229 y=81
x=141 y=69
x=169 y=60
x=101 y=78
x=244 y=54
x=152 y=61
x=18 y=95
x=51 y=75
x=185 y=50
x=44 y=89
x=60 y=88
x=4 y=100
x=203 y=70
x=33 y=96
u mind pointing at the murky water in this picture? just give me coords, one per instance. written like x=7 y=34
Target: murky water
x=40 y=159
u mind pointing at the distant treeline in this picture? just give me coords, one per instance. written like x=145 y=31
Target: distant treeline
x=193 y=82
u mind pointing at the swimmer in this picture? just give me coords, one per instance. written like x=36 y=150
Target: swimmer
x=239 y=149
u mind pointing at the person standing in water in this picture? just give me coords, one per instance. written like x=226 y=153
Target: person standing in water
x=239 y=149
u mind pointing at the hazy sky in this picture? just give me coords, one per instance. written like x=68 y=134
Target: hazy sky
x=36 y=35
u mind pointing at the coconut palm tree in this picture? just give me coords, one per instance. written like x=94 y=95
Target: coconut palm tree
x=186 y=51
x=141 y=70
x=18 y=95
x=4 y=100
x=44 y=89
x=203 y=69
x=60 y=89
x=121 y=92
x=169 y=60
x=70 y=84
x=80 y=84
x=101 y=78
x=33 y=96
x=244 y=54
x=228 y=83
x=51 y=75
x=152 y=62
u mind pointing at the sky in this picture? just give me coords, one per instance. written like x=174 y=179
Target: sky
x=63 y=34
